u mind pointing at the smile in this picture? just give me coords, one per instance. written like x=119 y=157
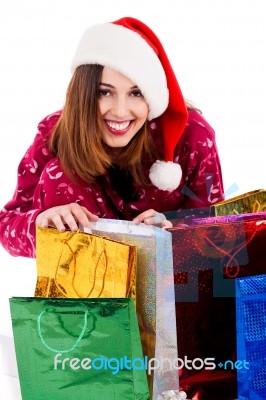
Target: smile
x=118 y=128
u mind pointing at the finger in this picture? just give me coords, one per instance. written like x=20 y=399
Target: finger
x=155 y=220
x=166 y=224
x=143 y=216
x=69 y=220
x=58 y=222
x=71 y=215
x=91 y=217
x=84 y=217
x=44 y=223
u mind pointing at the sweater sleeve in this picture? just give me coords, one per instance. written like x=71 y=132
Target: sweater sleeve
x=17 y=217
x=198 y=155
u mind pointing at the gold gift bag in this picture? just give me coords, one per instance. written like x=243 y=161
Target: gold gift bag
x=79 y=265
x=250 y=202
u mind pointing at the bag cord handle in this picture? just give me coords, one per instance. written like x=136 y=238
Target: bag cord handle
x=57 y=350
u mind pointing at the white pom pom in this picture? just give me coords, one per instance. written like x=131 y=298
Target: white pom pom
x=165 y=175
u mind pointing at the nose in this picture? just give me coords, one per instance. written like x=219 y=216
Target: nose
x=120 y=106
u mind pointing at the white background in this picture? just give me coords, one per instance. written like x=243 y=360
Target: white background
x=217 y=48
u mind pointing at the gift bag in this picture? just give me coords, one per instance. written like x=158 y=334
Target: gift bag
x=250 y=202
x=221 y=219
x=86 y=349
x=251 y=337
x=79 y=265
x=155 y=300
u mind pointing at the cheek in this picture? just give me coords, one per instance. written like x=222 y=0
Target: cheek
x=143 y=111
x=104 y=106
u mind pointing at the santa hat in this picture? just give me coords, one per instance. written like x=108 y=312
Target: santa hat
x=132 y=48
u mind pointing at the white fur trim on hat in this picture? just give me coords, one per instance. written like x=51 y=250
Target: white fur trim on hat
x=125 y=51
x=165 y=175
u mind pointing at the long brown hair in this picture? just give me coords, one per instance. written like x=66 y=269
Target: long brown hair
x=77 y=139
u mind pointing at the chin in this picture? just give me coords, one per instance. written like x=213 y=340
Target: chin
x=118 y=145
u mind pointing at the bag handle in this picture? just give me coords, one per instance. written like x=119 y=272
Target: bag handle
x=57 y=350
x=231 y=271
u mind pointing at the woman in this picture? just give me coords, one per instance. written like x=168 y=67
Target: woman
x=125 y=145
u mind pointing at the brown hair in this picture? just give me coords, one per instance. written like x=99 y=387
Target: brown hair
x=77 y=139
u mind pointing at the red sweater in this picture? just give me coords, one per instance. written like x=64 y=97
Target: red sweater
x=42 y=184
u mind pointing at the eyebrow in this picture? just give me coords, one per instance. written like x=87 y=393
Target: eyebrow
x=113 y=87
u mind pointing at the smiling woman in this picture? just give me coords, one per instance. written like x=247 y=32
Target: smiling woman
x=126 y=145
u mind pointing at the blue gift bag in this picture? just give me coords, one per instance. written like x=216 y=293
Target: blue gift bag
x=251 y=337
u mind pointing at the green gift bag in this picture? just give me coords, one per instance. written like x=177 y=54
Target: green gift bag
x=86 y=349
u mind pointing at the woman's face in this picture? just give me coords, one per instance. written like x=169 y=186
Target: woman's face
x=123 y=109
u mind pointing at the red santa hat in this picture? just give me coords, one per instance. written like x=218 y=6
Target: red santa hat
x=132 y=48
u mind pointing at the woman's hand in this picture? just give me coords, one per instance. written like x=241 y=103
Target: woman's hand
x=70 y=215
x=152 y=217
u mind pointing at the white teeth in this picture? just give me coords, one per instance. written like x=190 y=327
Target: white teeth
x=117 y=126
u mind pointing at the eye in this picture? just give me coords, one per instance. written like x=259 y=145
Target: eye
x=136 y=93
x=104 y=92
